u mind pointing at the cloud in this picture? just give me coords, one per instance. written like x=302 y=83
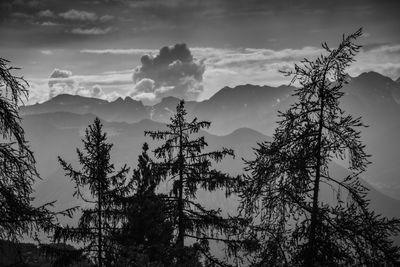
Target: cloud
x=113 y=51
x=92 y=31
x=106 y=18
x=37 y=93
x=248 y=56
x=58 y=73
x=237 y=66
x=95 y=91
x=172 y=72
x=49 y=23
x=47 y=52
x=146 y=98
x=60 y=82
x=145 y=85
x=386 y=49
x=108 y=86
x=74 y=14
x=46 y=14
x=177 y=73
x=383 y=58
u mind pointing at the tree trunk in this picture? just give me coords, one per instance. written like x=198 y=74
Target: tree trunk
x=311 y=250
x=99 y=233
x=181 y=227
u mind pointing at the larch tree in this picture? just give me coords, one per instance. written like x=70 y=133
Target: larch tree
x=293 y=223
x=189 y=169
x=18 y=217
x=101 y=220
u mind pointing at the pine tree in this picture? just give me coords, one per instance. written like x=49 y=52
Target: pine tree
x=294 y=225
x=17 y=165
x=189 y=169
x=146 y=235
x=98 y=223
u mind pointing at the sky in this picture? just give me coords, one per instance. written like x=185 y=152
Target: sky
x=148 y=49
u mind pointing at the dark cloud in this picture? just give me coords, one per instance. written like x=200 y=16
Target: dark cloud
x=46 y=14
x=106 y=18
x=209 y=23
x=92 y=31
x=74 y=14
x=173 y=72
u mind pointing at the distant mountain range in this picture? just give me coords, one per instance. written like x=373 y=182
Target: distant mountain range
x=60 y=133
x=229 y=109
x=372 y=96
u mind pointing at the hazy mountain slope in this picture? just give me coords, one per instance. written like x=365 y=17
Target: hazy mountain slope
x=244 y=106
x=375 y=98
x=56 y=134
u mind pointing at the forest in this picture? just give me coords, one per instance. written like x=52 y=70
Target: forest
x=149 y=214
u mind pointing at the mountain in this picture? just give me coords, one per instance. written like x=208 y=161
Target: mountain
x=244 y=106
x=370 y=95
x=376 y=99
x=127 y=109
x=229 y=109
x=60 y=133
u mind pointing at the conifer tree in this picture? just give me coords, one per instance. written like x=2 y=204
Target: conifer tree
x=101 y=220
x=146 y=235
x=294 y=225
x=18 y=172
x=189 y=169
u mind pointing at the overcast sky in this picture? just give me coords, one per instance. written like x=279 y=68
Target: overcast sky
x=96 y=47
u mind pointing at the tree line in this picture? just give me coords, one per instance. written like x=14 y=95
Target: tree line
x=282 y=219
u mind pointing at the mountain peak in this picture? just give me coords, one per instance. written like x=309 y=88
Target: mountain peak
x=169 y=99
x=118 y=100
x=64 y=97
x=372 y=75
x=68 y=99
x=248 y=133
x=127 y=101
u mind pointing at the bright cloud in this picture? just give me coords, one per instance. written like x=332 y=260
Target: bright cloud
x=96 y=91
x=119 y=51
x=47 y=52
x=384 y=59
x=172 y=72
x=213 y=69
x=108 y=86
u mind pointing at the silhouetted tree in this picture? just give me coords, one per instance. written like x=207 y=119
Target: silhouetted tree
x=146 y=235
x=99 y=222
x=17 y=165
x=295 y=226
x=189 y=169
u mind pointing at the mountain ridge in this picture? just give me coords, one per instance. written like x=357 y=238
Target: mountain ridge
x=128 y=139
x=372 y=96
